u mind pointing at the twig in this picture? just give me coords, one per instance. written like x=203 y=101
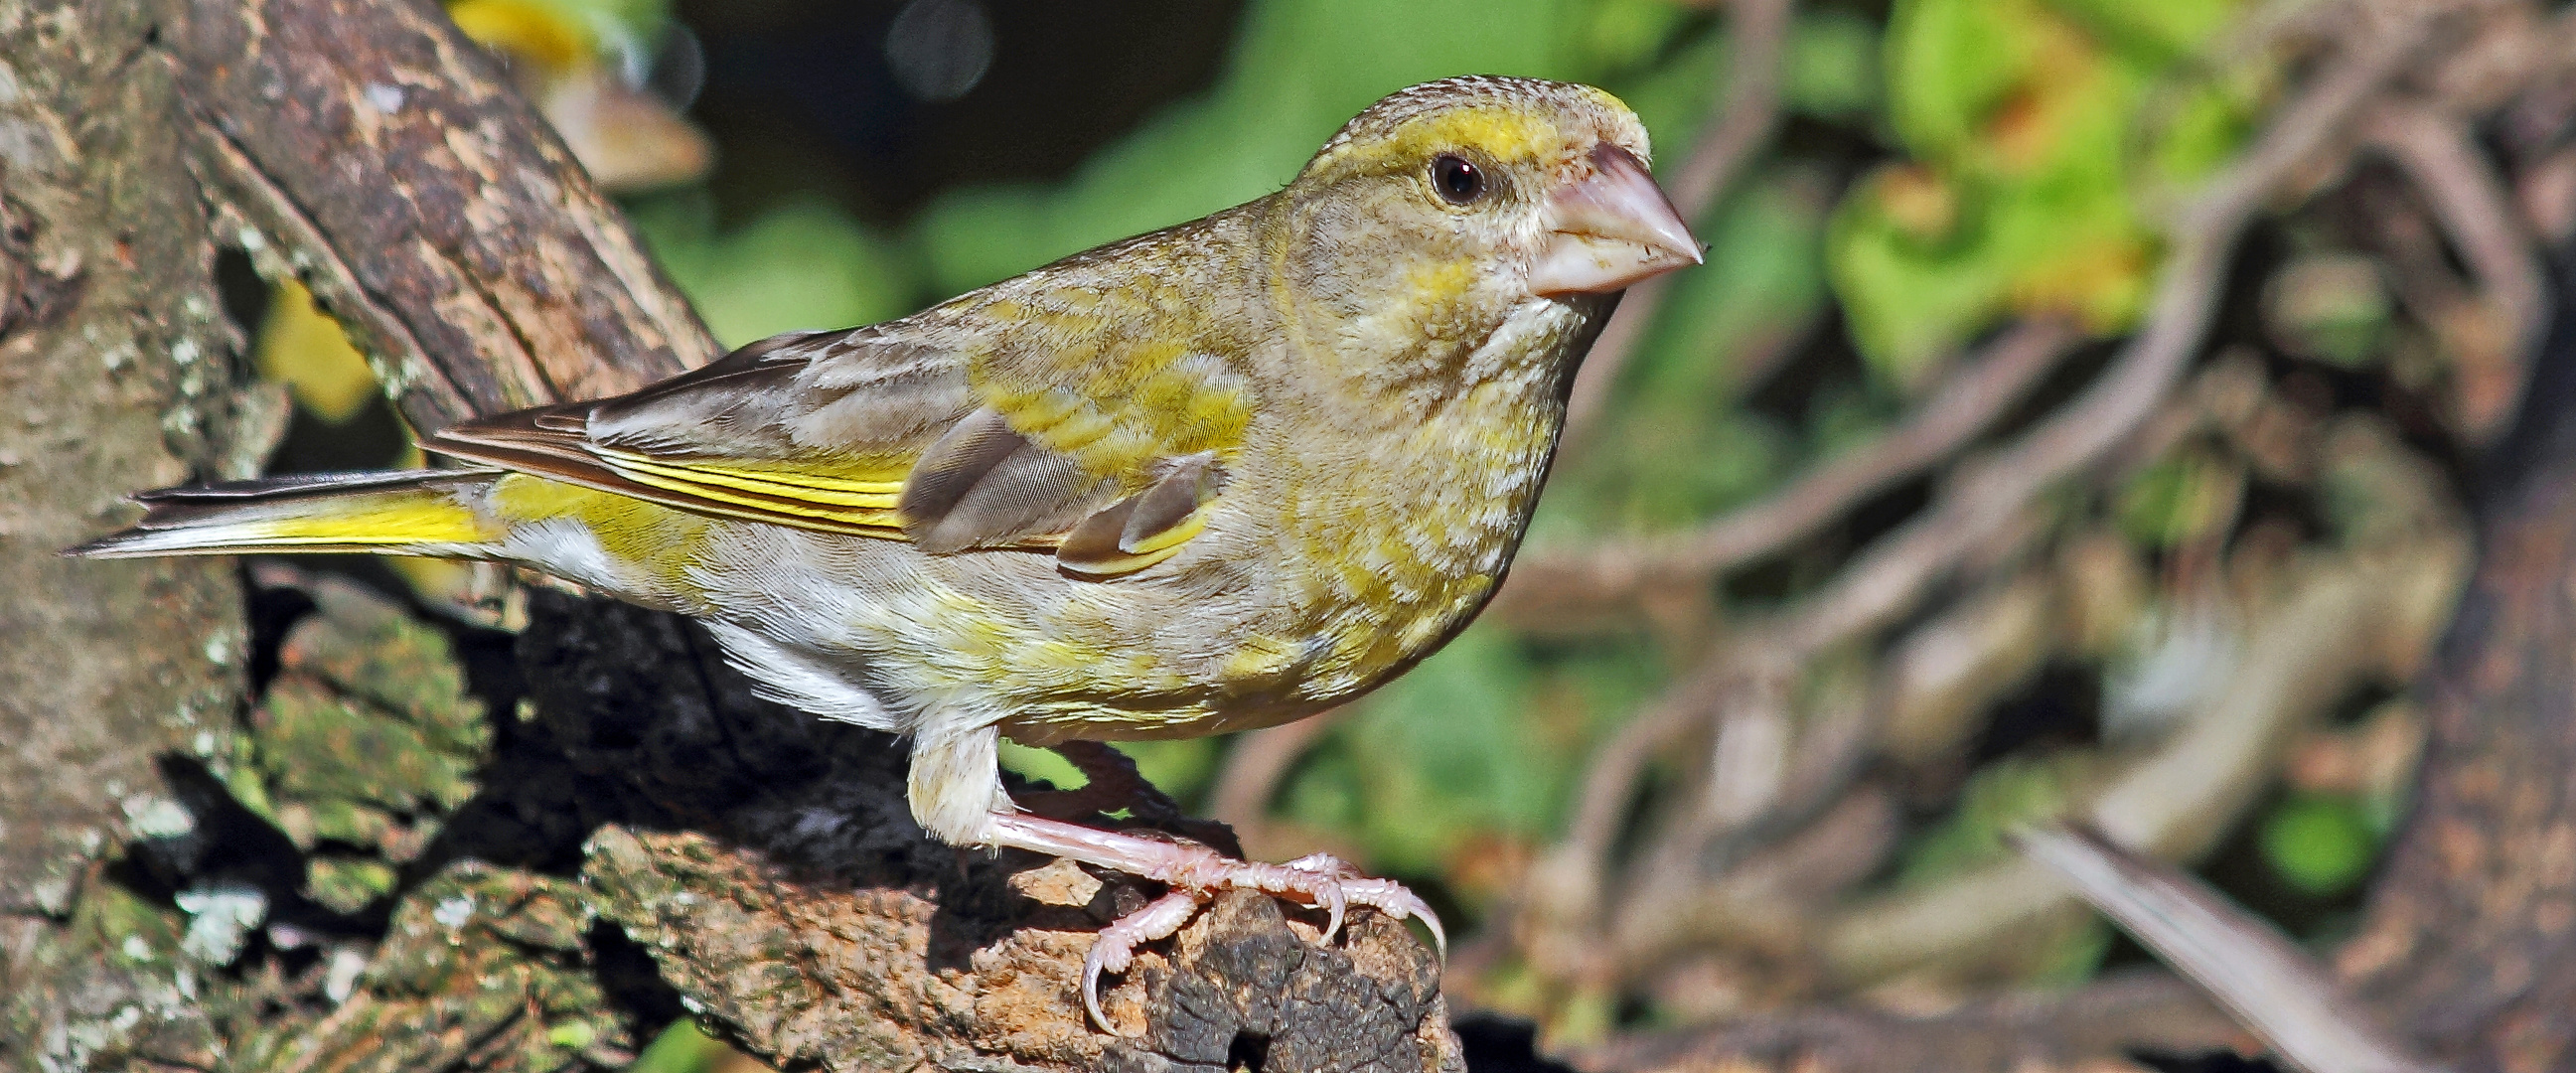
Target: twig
x=1760 y=29
x=2271 y=986
x=2478 y=216
x=1769 y=899
x=1972 y=399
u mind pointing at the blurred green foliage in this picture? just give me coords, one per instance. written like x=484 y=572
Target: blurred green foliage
x=805 y=263
x=1300 y=68
x=2186 y=496
x=2042 y=135
x=681 y=1048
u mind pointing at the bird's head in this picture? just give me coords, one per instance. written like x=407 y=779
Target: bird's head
x=1445 y=208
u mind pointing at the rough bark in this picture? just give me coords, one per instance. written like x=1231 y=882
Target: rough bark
x=2470 y=937
x=424 y=845
x=115 y=361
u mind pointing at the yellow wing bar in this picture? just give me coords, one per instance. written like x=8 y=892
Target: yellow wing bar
x=807 y=500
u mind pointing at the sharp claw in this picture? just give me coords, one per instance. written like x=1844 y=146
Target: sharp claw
x=1339 y=905
x=1091 y=991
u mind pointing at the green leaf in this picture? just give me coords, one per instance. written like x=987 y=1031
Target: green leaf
x=1916 y=279
x=2321 y=845
x=1180 y=767
x=1042 y=765
x=2038 y=141
x=1951 y=63
x=680 y=1048
x=1615 y=35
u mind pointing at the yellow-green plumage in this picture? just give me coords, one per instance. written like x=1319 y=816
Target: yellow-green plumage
x=1221 y=476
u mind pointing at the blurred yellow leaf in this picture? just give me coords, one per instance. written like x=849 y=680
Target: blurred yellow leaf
x=302 y=347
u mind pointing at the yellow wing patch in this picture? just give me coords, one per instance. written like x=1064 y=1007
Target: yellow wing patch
x=808 y=500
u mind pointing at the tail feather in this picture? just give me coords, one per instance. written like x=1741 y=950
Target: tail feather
x=417 y=511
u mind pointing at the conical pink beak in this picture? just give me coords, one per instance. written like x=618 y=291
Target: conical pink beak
x=1609 y=230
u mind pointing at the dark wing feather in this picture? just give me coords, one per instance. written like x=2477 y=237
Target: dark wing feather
x=1145 y=528
x=984 y=485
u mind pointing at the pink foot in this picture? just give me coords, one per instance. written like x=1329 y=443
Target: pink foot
x=1195 y=873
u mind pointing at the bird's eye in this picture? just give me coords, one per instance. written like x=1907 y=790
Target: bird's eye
x=1458 y=181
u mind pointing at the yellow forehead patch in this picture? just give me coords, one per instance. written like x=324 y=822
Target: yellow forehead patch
x=1506 y=134
x=1502 y=134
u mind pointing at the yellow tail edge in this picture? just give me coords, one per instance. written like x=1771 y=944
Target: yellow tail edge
x=418 y=512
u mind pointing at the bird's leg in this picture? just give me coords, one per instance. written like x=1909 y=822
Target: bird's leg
x=1194 y=872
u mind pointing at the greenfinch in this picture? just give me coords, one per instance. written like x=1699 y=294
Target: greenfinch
x=1217 y=477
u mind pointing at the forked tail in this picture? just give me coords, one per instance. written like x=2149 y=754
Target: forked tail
x=410 y=512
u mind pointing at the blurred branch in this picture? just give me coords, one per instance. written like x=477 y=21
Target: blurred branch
x=1726 y=143
x=2465 y=937
x=2354 y=618
x=2064 y=1033
x=1971 y=400
x=2478 y=215
x=2274 y=988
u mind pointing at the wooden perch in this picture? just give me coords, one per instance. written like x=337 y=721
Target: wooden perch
x=381 y=867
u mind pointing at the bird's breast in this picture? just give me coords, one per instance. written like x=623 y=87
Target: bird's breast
x=1392 y=540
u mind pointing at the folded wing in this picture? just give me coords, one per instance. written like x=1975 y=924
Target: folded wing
x=881 y=433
